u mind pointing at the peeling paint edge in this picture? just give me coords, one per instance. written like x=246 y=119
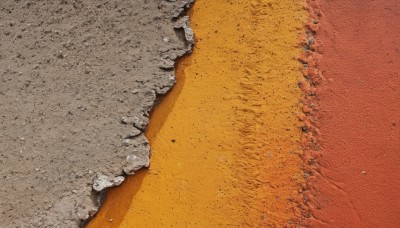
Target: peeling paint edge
x=311 y=80
x=133 y=163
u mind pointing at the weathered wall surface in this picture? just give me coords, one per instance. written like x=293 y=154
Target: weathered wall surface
x=226 y=140
x=358 y=181
x=70 y=70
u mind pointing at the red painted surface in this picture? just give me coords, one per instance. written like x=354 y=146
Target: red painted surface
x=359 y=116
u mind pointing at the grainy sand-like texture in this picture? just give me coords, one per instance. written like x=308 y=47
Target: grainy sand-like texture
x=226 y=141
x=285 y=113
x=70 y=70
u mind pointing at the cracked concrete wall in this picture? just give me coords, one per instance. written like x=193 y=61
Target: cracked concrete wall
x=78 y=80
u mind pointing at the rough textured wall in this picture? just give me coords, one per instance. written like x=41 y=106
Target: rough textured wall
x=78 y=79
x=357 y=183
x=228 y=153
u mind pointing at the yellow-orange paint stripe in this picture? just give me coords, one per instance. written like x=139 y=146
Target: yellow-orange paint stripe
x=226 y=141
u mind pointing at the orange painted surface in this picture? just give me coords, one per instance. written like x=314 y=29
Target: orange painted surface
x=226 y=141
x=359 y=116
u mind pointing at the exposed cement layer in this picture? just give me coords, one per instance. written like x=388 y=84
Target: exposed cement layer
x=78 y=79
x=226 y=140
